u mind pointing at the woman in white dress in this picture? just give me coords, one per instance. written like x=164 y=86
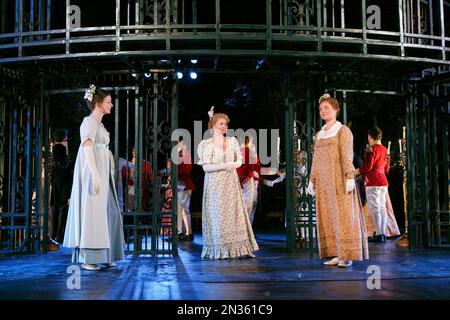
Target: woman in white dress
x=94 y=226
x=227 y=231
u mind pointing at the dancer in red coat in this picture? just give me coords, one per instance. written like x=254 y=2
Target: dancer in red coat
x=248 y=174
x=185 y=188
x=376 y=165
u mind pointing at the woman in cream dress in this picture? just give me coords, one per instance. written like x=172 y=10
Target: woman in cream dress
x=227 y=231
x=341 y=227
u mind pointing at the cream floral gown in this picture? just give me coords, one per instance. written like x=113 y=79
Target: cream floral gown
x=227 y=231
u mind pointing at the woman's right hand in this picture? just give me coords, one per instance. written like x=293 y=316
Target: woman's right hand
x=211 y=112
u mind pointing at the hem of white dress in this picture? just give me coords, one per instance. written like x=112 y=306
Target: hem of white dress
x=229 y=250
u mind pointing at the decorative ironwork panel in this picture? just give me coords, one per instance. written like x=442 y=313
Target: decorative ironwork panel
x=303 y=133
x=305 y=219
x=428 y=163
x=302 y=13
x=21 y=223
x=156 y=11
x=149 y=218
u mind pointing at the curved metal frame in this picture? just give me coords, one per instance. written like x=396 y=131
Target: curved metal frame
x=292 y=34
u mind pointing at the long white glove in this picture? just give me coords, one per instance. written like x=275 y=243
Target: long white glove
x=311 y=190
x=349 y=185
x=277 y=180
x=233 y=165
x=214 y=167
x=90 y=160
x=268 y=183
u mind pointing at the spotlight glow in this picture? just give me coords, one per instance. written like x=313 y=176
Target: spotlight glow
x=179 y=75
x=147 y=74
x=194 y=61
x=193 y=75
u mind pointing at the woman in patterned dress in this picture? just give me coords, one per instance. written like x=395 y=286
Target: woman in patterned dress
x=341 y=228
x=226 y=227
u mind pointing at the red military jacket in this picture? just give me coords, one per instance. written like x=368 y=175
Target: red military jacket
x=146 y=173
x=147 y=179
x=184 y=170
x=249 y=165
x=375 y=167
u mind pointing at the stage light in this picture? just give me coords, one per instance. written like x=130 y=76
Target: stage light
x=147 y=74
x=193 y=75
x=165 y=77
x=194 y=61
x=259 y=63
x=133 y=75
x=179 y=75
x=179 y=61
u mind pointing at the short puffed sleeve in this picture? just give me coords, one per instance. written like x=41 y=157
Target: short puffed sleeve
x=88 y=129
x=204 y=153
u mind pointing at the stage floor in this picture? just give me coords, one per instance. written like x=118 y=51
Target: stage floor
x=274 y=274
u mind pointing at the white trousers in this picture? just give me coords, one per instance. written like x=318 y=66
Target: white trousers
x=248 y=195
x=255 y=200
x=183 y=213
x=376 y=202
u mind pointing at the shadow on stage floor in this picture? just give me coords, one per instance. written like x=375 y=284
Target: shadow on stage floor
x=274 y=274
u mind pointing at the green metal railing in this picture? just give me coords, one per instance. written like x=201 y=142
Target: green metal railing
x=291 y=28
